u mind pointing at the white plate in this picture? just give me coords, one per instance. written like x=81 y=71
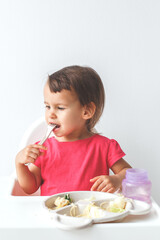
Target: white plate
x=64 y=221
x=78 y=195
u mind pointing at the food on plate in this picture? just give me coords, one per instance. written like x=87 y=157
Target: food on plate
x=67 y=196
x=62 y=201
x=91 y=210
x=116 y=205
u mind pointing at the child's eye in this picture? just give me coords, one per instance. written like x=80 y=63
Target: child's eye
x=47 y=107
x=61 y=108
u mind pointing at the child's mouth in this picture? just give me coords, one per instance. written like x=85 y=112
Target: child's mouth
x=57 y=126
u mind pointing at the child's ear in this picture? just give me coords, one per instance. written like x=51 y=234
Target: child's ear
x=89 y=110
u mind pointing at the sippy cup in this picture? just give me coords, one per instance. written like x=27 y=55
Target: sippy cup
x=136 y=185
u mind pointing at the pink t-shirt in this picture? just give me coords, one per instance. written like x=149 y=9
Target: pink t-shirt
x=69 y=166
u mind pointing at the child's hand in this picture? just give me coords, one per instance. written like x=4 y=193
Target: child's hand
x=105 y=183
x=30 y=153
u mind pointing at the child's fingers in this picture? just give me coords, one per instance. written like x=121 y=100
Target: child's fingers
x=94 y=179
x=106 y=188
x=35 y=149
x=101 y=186
x=96 y=184
x=33 y=155
x=38 y=146
x=111 y=190
x=102 y=183
x=30 y=160
x=32 y=152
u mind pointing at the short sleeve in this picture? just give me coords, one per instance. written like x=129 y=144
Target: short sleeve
x=114 y=152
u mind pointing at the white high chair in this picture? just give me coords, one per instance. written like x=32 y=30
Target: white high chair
x=34 y=133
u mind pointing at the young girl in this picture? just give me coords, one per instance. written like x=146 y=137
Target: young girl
x=76 y=158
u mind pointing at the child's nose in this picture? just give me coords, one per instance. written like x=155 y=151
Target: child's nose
x=52 y=114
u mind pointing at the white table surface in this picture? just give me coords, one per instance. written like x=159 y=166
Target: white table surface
x=24 y=217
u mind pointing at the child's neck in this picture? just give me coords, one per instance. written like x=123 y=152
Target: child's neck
x=75 y=136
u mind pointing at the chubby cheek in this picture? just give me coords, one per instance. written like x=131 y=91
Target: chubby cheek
x=73 y=121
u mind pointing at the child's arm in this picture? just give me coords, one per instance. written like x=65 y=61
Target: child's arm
x=105 y=183
x=29 y=178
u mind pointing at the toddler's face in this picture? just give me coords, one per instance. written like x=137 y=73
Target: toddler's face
x=64 y=109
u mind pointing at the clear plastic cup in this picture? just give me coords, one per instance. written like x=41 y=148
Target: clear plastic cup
x=136 y=185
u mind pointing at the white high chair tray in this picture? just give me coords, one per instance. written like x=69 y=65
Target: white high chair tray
x=81 y=199
x=25 y=217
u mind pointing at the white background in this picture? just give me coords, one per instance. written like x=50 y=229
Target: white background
x=120 y=39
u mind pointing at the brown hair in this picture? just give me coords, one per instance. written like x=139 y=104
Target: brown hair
x=86 y=83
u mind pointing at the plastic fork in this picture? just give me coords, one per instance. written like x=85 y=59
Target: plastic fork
x=48 y=132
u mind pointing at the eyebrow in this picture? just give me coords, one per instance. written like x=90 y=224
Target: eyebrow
x=56 y=104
